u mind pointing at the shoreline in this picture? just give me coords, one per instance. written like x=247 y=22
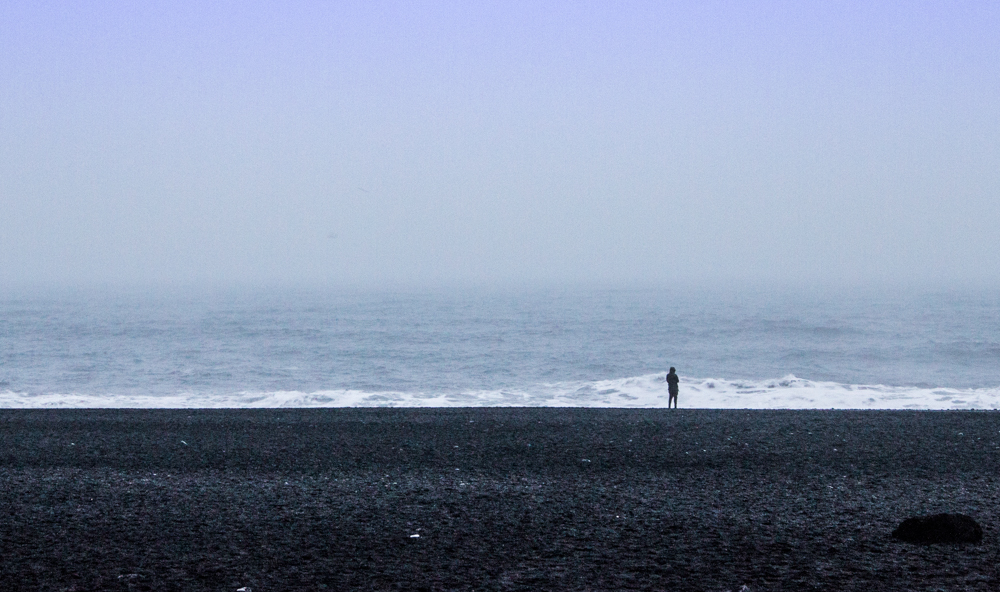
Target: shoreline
x=502 y=498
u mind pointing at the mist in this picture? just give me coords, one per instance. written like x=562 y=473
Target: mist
x=437 y=143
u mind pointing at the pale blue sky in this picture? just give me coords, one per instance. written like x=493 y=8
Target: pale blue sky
x=436 y=143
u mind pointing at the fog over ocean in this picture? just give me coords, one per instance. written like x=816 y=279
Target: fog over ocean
x=569 y=347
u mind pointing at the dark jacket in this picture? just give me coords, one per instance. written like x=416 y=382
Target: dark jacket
x=672 y=381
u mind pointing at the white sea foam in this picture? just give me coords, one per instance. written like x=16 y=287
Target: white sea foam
x=647 y=391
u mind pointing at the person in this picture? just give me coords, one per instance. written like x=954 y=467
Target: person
x=672 y=381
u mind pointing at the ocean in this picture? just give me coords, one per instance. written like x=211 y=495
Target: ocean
x=570 y=346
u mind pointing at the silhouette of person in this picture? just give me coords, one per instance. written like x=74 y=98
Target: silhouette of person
x=672 y=381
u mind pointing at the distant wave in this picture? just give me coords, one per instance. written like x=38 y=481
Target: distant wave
x=647 y=391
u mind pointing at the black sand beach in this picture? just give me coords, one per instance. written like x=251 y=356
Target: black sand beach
x=502 y=499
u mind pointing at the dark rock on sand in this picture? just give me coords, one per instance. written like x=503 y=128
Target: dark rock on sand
x=939 y=528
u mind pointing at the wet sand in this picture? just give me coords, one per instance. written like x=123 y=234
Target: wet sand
x=502 y=499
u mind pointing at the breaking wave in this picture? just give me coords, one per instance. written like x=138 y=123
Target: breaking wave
x=648 y=391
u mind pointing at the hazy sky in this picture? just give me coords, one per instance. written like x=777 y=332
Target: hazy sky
x=442 y=142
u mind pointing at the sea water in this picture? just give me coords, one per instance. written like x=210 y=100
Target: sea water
x=573 y=346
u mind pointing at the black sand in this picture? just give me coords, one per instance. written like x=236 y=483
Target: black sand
x=503 y=499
